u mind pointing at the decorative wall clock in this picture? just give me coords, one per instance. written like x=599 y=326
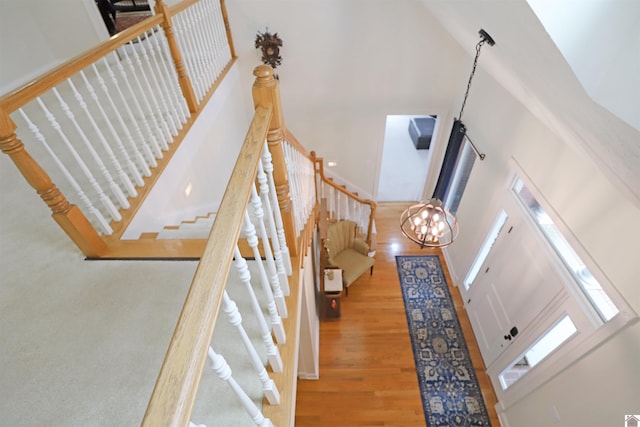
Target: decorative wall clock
x=270 y=45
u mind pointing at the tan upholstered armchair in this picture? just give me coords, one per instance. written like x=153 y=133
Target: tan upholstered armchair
x=347 y=252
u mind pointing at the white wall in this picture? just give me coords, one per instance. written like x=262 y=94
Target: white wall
x=598 y=38
x=37 y=35
x=204 y=161
x=599 y=216
x=403 y=169
x=347 y=65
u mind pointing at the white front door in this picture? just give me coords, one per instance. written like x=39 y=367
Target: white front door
x=515 y=283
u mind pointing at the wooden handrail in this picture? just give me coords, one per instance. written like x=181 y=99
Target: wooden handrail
x=291 y=139
x=319 y=168
x=175 y=391
x=19 y=97
x=71 y=218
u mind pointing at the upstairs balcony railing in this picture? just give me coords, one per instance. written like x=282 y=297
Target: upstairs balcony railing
x=93 y=135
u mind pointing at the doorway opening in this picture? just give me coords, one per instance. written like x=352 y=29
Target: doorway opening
x=405 y=161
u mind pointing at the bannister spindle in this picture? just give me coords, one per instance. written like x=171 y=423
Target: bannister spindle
x=160 y=103
x=183 y=78
x=179 y=104
x=266 y=204
x=124 y=178
x=269 y=388
x=148 y=140
x=204 y=53
x=145 y=94
x=222 y=369
x=115 y=189
x=137 y=154
x=184 y=37
x=276 y=321
x=213 y=39
x=278 y=295
x=88 y=205
x=282 y=240
x=68 y=216
x=106 y=201
x=266 y=93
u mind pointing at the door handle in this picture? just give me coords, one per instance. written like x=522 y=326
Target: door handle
x=512 y=334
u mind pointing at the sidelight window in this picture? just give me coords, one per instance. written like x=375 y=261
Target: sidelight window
x=588 y=284
x=460 y=177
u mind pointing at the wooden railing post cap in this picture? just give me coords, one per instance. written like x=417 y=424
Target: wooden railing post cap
x=263 y=73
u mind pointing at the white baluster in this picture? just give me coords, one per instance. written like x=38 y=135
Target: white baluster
x=332 y=203
x=95 y=213
x=268 y=386
x=277 y=215
x=150 y=159
x=117 y=192
x=266 y=246
x=106 y=202
x=222 y=45
x=222 y=369
x=139 y=95
x=149 y=92
x=297 y=190
x=211 y=41
x=203 y=53
x=153 y=70
x=171 y=79
x=269 y=214
x=273 y=354
x=276 y=321
x=124 y=178
x=182 y=37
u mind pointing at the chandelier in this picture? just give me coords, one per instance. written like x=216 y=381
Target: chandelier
x=429 y=224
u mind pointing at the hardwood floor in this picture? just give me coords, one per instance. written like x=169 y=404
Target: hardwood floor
x=367 y=372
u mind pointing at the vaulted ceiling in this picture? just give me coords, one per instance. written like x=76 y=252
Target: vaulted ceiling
x=527 y=62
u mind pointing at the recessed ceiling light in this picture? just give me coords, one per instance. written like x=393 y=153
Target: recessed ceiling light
x=332 y=164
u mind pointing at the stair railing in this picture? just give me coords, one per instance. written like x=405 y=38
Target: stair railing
x=300 y=169
x=342 y=203
x=92 y=135
x=178 y=382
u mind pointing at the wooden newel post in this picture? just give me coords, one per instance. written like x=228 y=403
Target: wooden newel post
x=68 y=216
x=266 y=92
x=183 y=78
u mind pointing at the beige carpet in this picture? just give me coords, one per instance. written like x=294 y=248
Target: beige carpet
x=81 y=342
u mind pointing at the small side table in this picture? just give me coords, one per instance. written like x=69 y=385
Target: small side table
x=332 y=293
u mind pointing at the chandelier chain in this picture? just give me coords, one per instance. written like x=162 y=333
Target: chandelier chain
x=473 y=71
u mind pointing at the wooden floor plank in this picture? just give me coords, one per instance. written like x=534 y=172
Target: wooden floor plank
x=367 y=371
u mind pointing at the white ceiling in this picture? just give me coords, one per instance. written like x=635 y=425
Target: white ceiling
x=526 y=62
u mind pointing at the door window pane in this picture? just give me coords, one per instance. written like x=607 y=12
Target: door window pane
x=544 y=346
x=485 y=249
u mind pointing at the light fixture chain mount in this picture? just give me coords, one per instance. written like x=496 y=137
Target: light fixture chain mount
x=485 y=38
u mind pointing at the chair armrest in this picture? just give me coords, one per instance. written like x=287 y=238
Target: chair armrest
x=361 y=246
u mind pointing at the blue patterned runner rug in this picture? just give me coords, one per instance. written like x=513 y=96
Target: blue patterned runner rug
x=450 y=392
